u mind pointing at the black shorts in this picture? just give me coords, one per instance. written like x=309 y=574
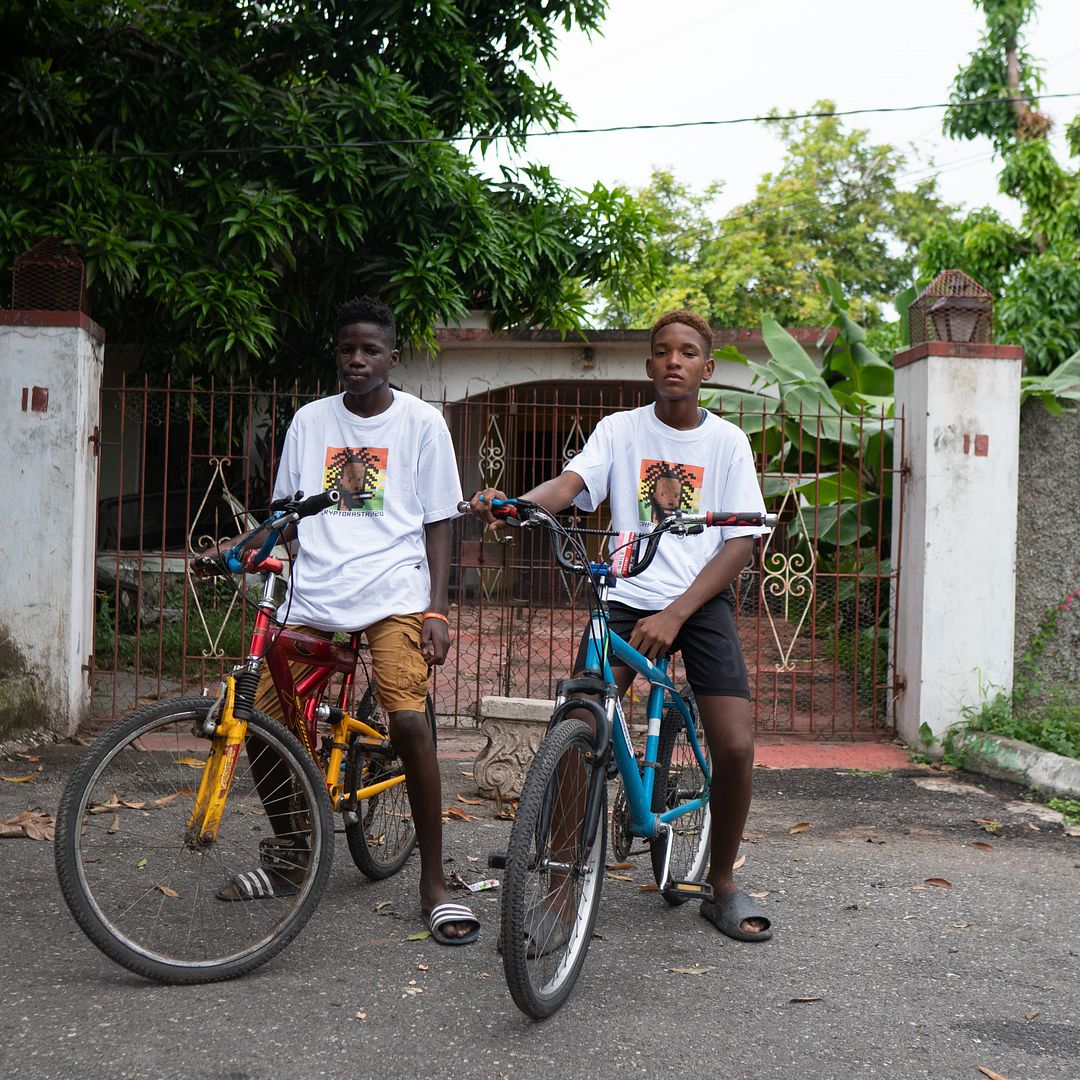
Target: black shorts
x=708 y=641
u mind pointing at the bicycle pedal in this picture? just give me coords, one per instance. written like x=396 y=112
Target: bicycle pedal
x=497 y=860
x=688 y=890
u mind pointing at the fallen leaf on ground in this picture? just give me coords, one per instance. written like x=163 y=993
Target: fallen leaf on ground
x=114 y=825
x=1032 y=825
x=938 y=882
x=29 y=757
x=802 y=826
x=32 y=824
x=419 y=935
x=383 y=904
x=918 y=888
x=421 y=967
x=982 y=845
x=620 y=877
x=11 y=832
x=469 y=775
x=759 y=895
x=803 y=1000
x=166 y=799
x=472 y=858
x=455 y=813
x=697 y=969
x=167 y=891
x=651 y=887
x=361 y=1016
x=989 y=825
x=739 y=863
x=412 y=991
x=1072 y=830
x=18 y=779
x=753 y=837
x=990 y=1073
x=1031 y=1015
x=141 y=864
x=470 y=802
x=484 y=975
x=619 y=866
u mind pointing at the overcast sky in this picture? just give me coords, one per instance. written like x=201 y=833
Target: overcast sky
x=674 y=60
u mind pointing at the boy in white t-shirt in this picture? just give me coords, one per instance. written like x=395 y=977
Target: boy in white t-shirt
x=649 y=462
x=378 y=564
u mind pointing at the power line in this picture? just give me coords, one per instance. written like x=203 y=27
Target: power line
x=365 y=144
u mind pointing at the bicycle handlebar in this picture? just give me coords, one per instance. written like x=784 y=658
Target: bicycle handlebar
x=284 y=512
x=634 y=562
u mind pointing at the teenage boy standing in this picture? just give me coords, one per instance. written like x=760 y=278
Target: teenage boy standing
x=683 y=600
x=380 y=564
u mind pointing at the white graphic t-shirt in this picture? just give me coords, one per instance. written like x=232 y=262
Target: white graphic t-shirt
x=648 y=470
x=365 y=559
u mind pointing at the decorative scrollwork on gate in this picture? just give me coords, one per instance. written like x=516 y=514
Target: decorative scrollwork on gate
x=492 y=454
x=790 y=577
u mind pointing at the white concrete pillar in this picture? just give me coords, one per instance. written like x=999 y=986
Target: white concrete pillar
x=956 y=547
x=50 y=375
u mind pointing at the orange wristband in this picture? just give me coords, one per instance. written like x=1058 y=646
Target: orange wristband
x=436 y=615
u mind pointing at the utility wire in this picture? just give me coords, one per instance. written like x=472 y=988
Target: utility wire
x=364 y=144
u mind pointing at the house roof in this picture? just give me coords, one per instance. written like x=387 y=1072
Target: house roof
x=450 y=336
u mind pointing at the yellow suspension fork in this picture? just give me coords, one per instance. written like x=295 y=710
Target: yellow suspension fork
x=205 y=820
x=367 y=736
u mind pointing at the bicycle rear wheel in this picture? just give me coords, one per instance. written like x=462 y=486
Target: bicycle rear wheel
x=554 y=873
x=382 y=839
x=146 y=897
x=679 y=779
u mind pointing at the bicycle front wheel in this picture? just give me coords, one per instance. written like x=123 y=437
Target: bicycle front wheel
x=554 y=873
x=148 y=896
x=383 y=836
x=679 y=779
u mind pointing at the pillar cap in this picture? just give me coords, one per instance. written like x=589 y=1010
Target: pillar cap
x=958 y=350
x=18 y=317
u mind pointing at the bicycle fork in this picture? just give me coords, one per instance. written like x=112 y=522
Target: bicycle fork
x=228 y=732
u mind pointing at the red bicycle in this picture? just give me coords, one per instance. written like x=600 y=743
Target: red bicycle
x=165 y=811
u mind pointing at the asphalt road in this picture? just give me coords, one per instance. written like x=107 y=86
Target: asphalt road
x=907 y=979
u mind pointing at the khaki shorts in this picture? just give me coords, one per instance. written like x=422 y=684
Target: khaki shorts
x=397 y=662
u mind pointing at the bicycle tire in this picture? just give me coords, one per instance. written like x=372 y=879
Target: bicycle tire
x=540 y=984
x=144 y=897
x=679 y=779
x=384 y=836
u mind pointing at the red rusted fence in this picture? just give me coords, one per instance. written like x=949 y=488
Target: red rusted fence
x=182 y=465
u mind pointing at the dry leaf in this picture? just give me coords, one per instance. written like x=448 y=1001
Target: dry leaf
x=470 y=802
x=619 y=877
x=982 y=845
x=1032 y=825
x=18 y=779
x=651 y=887
x=484 y=975
x=105 y=807
x=739 y=863
x=421 y=967
x=141 y=864
x=114 y=825
x=29 y=757
x=697 y=969
x=361 y=1016
x=468 y=775
x=803 y=1000
x=11 y=832
x=194 y=762
x=918 y=888
x=132 y=805
x=412 y=991
x=166 y=799
x=990 y=1073
x=759 y=895
x=989 y=825
x=802 y=826
x=472 y=858
x=1031 y=1015
x=455 y=813
x=419 y=935
x=167 y=891
x=619 y=865
x=938 y=882
x=383 y=904
x=1072 y=830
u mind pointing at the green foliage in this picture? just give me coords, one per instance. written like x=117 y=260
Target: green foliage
x=1033 y=270
x=1069 y=809
x=223 y=169
x=837 y=205
x=1034 y=713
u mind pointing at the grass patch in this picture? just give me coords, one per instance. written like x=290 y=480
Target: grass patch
x=1052 y=724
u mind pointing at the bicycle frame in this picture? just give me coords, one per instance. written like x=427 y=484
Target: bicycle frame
x=638 y=782
x=276 y=646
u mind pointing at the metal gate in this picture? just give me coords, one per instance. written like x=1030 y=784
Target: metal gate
x=183 y=465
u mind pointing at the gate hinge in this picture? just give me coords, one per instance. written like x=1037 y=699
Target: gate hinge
x=94 y=439
x=88 y=667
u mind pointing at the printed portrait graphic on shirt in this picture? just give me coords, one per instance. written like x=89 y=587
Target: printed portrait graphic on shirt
x=667 y=486
x=354 y=470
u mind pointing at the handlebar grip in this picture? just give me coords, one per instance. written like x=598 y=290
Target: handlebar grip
x=740 y=518
x=316 y=504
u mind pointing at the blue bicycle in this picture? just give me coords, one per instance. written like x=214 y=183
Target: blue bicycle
x=555 y=859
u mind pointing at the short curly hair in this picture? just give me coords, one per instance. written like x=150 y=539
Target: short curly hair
x=367 y=309
x=684 y=318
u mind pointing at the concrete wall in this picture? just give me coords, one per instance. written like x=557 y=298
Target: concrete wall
x=50 y=372
x=473 y=361
x=1048 y=535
